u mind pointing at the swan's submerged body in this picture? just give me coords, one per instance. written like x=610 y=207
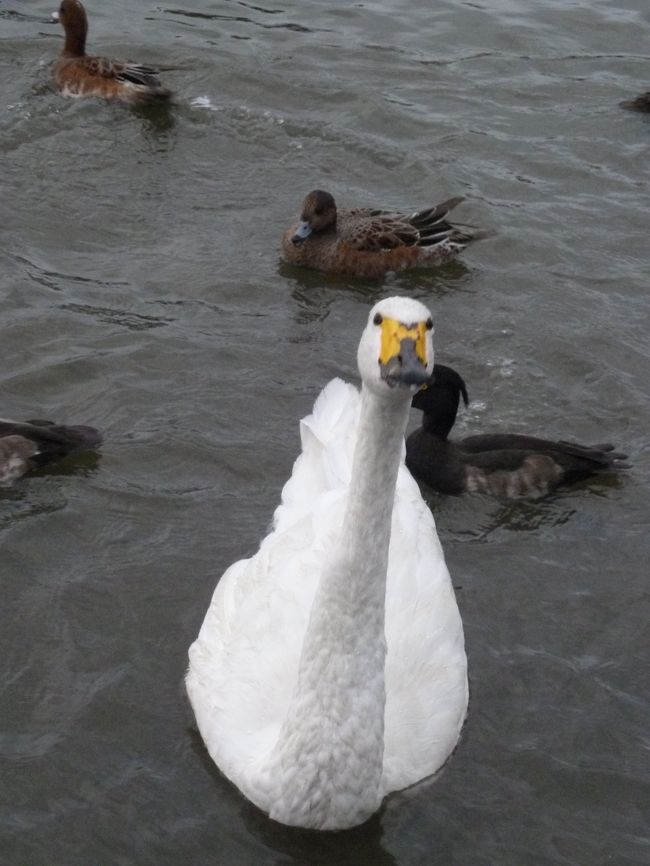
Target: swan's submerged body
x=330 y=668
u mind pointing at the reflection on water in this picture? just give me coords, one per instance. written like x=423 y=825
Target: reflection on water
x=132 y=321
x=16 y=503
x=297 y=28
x=28 y=497
x=360 y=844
x=58 y=281
x=315 y=293
x=157 y=122
x=482 y=518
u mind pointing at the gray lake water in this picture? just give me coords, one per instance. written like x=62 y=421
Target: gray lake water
x=141 y=292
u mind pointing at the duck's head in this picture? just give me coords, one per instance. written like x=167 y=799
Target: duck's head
x=318 y=213
x=396 y=350
x=72 y=16
x=439 y=398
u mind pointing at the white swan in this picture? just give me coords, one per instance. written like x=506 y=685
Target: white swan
x=330 y=668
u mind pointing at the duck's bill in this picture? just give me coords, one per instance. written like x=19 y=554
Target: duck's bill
x=302 y=232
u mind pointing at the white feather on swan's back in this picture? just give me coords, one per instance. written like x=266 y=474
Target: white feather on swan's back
x=327 y=437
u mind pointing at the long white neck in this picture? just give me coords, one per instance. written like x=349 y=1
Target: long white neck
x=329 y=756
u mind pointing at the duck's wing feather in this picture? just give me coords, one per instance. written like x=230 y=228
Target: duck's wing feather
x=374 y=230
x=518 y=446
x=121 y=70
x=511 y=465
x=137 y=73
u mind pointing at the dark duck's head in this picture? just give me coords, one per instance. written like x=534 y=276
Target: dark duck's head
x=438 y=400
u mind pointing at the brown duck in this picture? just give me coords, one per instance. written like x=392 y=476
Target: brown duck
x=369 y=242
x=79 y=74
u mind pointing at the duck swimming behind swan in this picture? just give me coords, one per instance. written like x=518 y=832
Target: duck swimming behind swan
x=501 y=464
x=330 y=668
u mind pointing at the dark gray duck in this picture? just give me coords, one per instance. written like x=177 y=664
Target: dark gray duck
x=500 y=464
x=28 y=445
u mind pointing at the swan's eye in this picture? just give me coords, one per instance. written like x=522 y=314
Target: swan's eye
x=429 y=324
x=378 y=319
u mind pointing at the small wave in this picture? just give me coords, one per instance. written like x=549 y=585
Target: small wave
x=205 y=103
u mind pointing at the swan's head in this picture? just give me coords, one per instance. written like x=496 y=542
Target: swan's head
x=396 y=349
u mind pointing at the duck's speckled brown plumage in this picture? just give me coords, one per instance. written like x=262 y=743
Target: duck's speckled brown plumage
x=499 y=464
x=26 y=445
x=368 y=242
x=77 y=74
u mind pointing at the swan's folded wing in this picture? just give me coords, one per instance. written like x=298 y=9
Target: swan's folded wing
x=426 y=668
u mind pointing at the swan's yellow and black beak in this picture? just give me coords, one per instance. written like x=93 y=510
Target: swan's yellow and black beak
x=403 y=353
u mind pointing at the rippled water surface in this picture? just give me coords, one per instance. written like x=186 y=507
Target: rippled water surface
x=140 y=291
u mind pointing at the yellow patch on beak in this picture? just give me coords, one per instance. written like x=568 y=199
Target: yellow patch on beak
x=392 y=334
